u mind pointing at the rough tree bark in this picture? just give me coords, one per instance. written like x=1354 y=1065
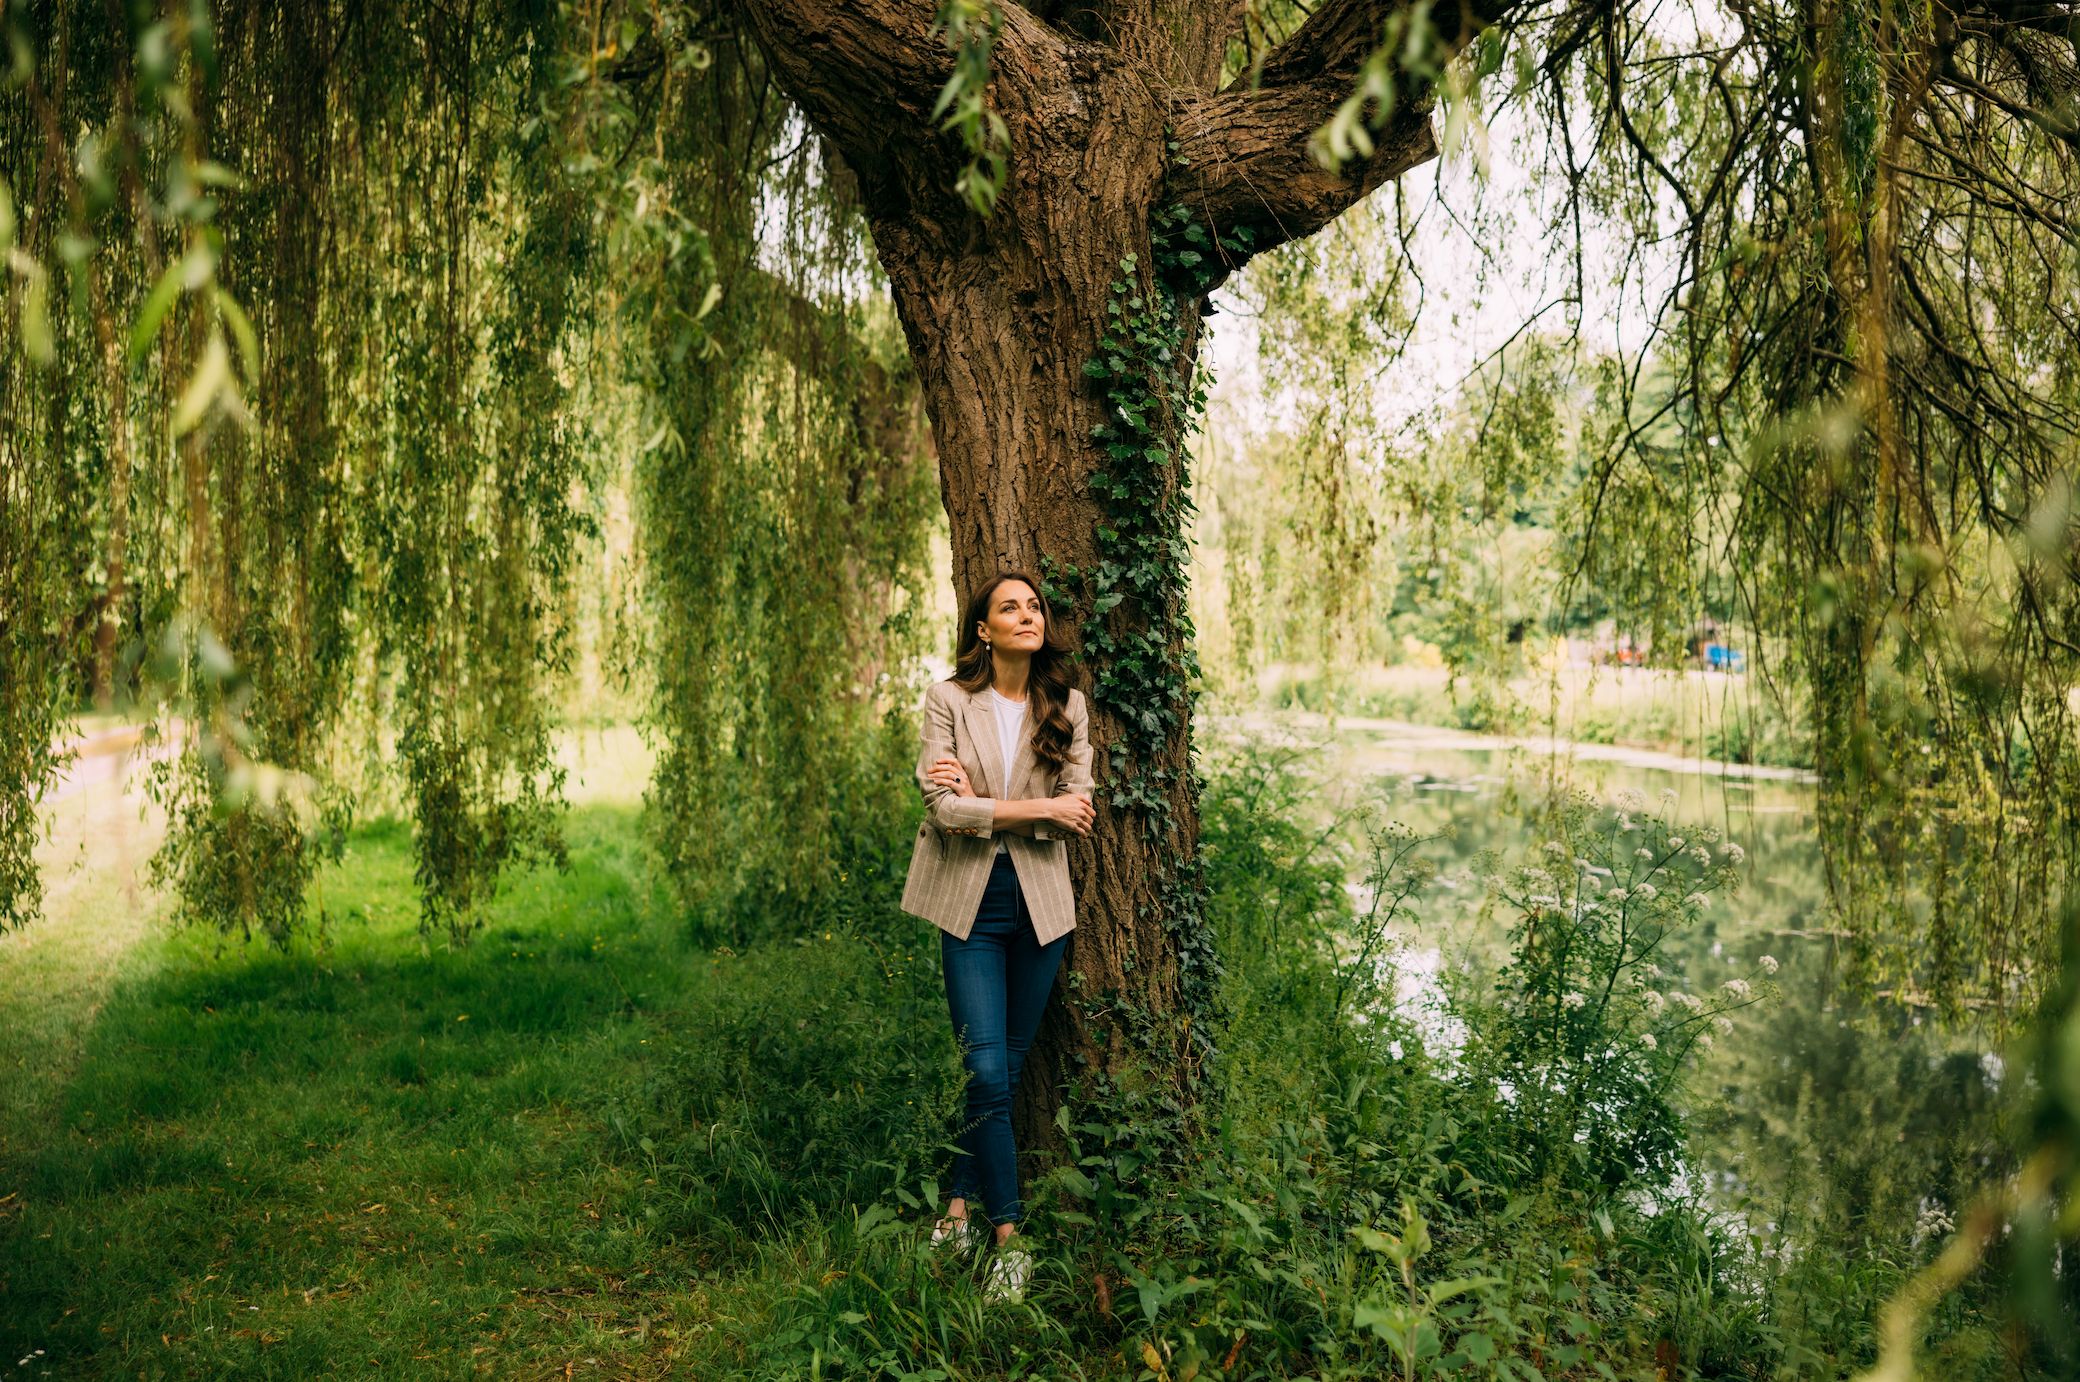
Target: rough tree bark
x=1002 y=312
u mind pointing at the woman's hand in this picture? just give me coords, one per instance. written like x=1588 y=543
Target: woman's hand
x=948 y=772
x=1072 y=811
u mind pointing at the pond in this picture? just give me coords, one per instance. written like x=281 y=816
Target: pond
x=1821 y=1112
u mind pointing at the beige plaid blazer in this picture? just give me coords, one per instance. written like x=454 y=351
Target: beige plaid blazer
x=955 y=850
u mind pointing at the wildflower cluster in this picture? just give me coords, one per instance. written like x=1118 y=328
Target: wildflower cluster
x=1594 y=1034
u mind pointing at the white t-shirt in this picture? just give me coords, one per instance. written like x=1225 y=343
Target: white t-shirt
x=1011 y=721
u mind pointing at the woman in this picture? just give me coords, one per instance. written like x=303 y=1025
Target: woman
x=1006 y=775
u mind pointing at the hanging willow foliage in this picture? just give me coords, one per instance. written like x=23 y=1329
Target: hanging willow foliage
x=343 y=293
x=1866 y=420
x=327 y=321
x=785 y=493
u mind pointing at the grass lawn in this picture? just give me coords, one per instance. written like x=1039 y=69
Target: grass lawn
x=374 y=1155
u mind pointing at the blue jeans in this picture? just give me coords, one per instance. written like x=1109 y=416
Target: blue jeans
x=997 y=982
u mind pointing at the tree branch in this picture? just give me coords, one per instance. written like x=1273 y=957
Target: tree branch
x=1247 y=161
x=867 y=72
x=855 y=66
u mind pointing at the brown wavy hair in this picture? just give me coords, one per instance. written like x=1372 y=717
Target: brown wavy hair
x=1047 y=685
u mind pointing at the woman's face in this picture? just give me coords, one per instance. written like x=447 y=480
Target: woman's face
x=1015 y=624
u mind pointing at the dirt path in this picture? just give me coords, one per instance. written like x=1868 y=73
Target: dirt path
x=99 y=830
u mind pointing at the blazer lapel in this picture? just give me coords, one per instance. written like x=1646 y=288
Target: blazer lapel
x=1023 y=763
x=982 y=733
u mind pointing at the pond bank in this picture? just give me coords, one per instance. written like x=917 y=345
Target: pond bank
x=1411 y=737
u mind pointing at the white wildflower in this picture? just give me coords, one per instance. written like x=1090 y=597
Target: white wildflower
x=1933 y=1222
x=1572 y=1000
x=1645 y=892
x=1626 y=822
x=1733 y=852
x=1394 y=1049
x=1696 y=900
x=1738 y=988
x=1616 y=896
x=1654 y=1003
x=1653 y=971
x=1643 y=853
x=1723 y=1025
x=1543 y=900
x=1683 y=999
x=1704 y=1041
x=1675 y=842
x=1768 y=963
x=1554 y=848
x=1649 y=1042
x=1702 y=855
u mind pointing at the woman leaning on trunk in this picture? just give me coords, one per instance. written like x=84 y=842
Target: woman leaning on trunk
x=1006 y=773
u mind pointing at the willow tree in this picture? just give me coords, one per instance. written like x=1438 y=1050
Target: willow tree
x=1051 y=191
x=1125 y=168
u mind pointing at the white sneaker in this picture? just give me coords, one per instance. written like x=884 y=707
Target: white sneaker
x=1009 y=1271
x=955 y=1235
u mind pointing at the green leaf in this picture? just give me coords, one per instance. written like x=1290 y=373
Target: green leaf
x=948 y=92
x=1373 y=1239
x=242 y=328
x=1488 y=53
x=1445 y=1290
x=156 y=305
x=36 y=308
x=211 y=174
x=211 y=376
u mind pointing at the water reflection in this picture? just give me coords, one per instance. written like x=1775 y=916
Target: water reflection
x=1820 y=1113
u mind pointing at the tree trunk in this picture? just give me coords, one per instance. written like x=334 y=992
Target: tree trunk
x=1000 y=320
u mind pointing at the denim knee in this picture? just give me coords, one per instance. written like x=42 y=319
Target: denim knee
x=989 y=1081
